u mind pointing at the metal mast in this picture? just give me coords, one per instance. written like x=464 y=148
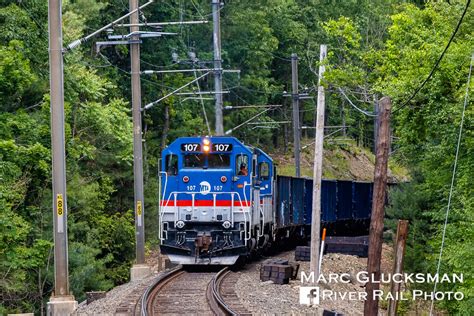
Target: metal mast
x=61 y=277
x=137 y=136
x=216 y=37
x=295 y=99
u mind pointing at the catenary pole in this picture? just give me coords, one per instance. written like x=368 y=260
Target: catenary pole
x=378 y=205
x=296 y=112
x=61 y=277
x=318 y=169
x=61 y=301
x=216 y=38
x=137 y=138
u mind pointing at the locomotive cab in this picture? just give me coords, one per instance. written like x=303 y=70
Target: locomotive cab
x=215 y=199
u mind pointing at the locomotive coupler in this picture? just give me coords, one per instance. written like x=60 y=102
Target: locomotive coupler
x=202 y=244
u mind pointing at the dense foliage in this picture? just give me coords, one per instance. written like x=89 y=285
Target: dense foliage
x=375 y=49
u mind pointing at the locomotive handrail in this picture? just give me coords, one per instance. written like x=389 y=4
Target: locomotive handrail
x=244 y=212
x=250 y=217
x=160 y=222
x=216 y=192
x=193 y=197
x=263 y=220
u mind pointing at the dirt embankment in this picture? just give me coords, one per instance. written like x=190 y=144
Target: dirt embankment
x=344 y=161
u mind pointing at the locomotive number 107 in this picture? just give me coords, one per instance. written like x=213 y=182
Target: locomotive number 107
x=222 y=147
x=191 y=147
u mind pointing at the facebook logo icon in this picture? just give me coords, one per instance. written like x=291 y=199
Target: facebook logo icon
x=309 y=295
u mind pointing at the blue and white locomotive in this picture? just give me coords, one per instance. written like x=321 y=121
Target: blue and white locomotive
x=216 y=200
x=221 y=200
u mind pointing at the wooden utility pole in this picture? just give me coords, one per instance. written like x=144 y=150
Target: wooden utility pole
x=295 y=101
x=376 y=111
x=378 y=205
x=402 y=233
x=318 y=169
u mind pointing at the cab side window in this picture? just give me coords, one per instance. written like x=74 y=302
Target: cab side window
x=242 y=165
x=171 y=162
x=264 y=170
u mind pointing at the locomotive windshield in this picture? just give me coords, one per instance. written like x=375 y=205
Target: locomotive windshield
x=194 y=161
x=171 y=165
x=211 y=161
x=217 y=161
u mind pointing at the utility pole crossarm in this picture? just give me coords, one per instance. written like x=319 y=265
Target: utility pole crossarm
x=162 y=23
x=149 y=72
x=78 y=42
x=229 y=107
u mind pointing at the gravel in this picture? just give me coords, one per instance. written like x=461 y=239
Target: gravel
x=264 y=298
x=117 y=296
x=267 y=298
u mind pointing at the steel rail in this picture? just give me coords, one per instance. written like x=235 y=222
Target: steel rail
x=216 y=301
x=151 y=291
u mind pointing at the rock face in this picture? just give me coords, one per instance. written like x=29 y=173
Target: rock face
x=342 y=161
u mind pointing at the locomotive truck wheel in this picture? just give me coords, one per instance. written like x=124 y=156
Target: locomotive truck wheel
x=252 y=244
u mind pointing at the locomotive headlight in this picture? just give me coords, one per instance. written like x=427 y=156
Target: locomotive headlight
x=206 y=145
x=223 y=179
x=180 y=224
x=226 y=224
x=185 y=179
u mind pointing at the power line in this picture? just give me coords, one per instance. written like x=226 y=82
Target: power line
x=109 y=64
x=355 y=106
x=202 y=105
x=437 y=62
x=197 y=9
x=156 y=66
x=452 y=179
x=176 y=11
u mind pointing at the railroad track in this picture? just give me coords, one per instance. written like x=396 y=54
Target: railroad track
x=179 y=292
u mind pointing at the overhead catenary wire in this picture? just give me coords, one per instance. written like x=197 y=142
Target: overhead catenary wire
x=355 y=106
x=177 y=11
x=202 y=105
x=109 y=64
x=149 y=105
x=247 y=121
x=437 y=62
x=466 y=96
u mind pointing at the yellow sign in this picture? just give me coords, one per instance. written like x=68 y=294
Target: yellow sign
x=60 y=204
x=139 y=208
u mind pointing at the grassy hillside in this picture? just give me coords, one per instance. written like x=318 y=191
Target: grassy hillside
x=342 y=160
